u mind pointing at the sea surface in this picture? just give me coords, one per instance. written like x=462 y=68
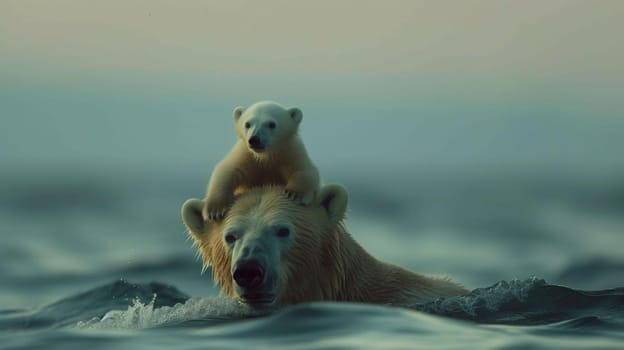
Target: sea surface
x=99 y=259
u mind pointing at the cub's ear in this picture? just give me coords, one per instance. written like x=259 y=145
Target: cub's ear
x=192 y=216
x=238 y=111
x=333 y=198
x=296 y=114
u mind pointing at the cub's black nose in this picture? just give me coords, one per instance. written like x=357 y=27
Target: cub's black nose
x=249 y=275
x=254 y=142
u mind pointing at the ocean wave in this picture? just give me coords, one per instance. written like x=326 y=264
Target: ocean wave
x=518 y=314
x=139 y=315
x=529 y=302
x=517 y=302
x=125 y=305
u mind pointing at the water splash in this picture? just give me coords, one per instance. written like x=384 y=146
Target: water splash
x=484 y=299
x=516 y=302
x=529 y=302
x=141 y=315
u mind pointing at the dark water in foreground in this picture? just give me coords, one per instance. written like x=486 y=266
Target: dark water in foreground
x=104 y=263
x=162 y=316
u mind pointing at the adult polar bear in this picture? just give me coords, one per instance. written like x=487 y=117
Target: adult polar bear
x=271 y=250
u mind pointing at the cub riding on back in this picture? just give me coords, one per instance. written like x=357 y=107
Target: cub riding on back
x=269 y=151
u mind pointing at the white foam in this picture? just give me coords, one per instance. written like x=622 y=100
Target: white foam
x=490 y=298
x=140 y=316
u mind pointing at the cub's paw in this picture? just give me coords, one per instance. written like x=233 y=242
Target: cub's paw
x=215 y=210
x=304 y=198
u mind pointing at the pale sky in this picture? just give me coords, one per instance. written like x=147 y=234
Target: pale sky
x=540 y=38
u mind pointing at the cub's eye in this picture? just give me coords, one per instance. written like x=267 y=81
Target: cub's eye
x=247 y=125
x=283 y=232
x=230 y=238
x=271 y=125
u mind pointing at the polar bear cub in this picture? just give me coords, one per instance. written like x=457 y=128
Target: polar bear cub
x=269 y=151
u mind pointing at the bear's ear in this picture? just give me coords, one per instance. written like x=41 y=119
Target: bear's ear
x=334 y=198
x=192 y=216
x=296 y=114
x=238 y=111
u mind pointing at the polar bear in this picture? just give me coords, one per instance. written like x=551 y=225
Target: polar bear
x=271 y=251
x=269 y=151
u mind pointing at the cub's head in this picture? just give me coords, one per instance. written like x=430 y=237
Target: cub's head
x=265 y=125
x=269 y=249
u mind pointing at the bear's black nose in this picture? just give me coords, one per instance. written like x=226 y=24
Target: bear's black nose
x=249 y=274
x=255 y=142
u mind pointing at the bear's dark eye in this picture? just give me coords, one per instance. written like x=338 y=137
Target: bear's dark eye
x=283 y=232
x=230 y=238
x=247 y=125
x=271 y=125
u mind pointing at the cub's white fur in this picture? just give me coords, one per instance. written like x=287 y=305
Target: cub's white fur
x=269 y=151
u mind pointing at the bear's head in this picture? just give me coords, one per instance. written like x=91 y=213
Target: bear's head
x=271 y=250
x=266 y=125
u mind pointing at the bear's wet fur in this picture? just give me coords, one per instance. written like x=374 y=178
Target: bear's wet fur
x=317 y=261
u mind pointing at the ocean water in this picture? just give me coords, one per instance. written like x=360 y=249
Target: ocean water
x=100 y=259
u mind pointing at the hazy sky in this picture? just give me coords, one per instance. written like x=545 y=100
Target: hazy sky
x=539 y=38
x=477 y=73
